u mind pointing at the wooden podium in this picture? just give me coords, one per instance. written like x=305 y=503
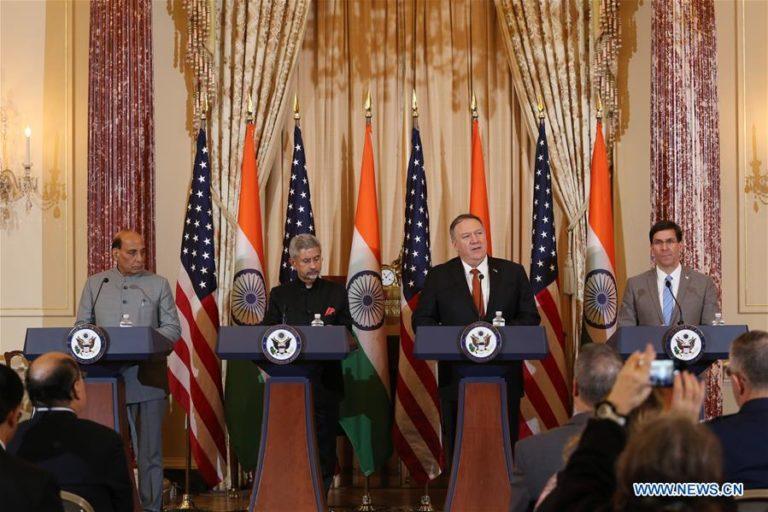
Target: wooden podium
x=105 y=388
x=288 y=472
x=481 y=470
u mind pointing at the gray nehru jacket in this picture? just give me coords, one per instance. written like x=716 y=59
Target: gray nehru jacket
x=147 y=298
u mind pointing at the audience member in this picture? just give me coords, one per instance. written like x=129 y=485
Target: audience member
x=86 y=458
x=666 y=451
x=539 y=457
x=23 y=487
x=744 y=435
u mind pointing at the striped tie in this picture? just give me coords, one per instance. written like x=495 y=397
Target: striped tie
x=669 y=302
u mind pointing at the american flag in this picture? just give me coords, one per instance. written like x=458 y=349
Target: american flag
x=194 y=370
x=547 y=396
x=298 y=214
x=416 y=432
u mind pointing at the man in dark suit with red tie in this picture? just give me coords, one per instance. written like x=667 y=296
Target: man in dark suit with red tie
x=468 y=288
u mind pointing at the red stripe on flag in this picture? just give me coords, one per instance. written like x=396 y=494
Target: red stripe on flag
x=418 y=418
x=199 y=343
x=538 y=399
x=204 y=409
x=408 y=457
x=547 y=304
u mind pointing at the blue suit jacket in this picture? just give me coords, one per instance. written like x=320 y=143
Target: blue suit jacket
x=744 y=437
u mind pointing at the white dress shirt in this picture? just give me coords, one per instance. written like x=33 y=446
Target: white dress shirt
x=661 y=276
x=485 y=283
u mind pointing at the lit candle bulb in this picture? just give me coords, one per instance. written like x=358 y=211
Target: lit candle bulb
x=28 y=135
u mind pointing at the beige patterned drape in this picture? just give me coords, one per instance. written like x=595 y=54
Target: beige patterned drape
x=256 y=49
x=549 y=49
x=350 y=46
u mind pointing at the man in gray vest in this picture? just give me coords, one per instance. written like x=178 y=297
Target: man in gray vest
x=129 y=295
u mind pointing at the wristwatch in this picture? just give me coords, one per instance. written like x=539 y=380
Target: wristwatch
x=605 y=410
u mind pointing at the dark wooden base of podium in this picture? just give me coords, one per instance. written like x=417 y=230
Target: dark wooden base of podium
x=481 y=472
x=105 y=404
x=288 y=473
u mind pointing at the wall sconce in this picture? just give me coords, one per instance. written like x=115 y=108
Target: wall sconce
x=23 y=188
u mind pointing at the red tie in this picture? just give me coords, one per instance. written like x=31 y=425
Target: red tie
x=477 y=293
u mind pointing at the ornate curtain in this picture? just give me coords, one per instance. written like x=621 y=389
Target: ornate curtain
x=121 y=152
x=394 y=48
x=549 y=50
x=256 y=49
x=685 y=143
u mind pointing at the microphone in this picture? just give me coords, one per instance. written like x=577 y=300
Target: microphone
x=137 y=287
x=98 y=292
x=668 y=284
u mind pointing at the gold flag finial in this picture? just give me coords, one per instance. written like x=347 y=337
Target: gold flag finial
x=540 y=108
x=414 y=105
x=473 y=106
x=249 y=108
x=599 y=107
x=296 y=114
x=367 y=105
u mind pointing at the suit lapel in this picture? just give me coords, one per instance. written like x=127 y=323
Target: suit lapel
x=682 y=288
x=460 y=280
x=493 y=282
x=653 y=290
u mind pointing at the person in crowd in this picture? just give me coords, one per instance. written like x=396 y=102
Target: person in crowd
x=539 y=457
x=23 y=487
x=672 y=447
x=86 y=458
x=744 y=435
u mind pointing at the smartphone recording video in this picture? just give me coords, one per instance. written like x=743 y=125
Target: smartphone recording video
x=662 y=373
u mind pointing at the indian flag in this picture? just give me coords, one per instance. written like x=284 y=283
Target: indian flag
x=365 y=411
x=600 y=293
x=244 y=388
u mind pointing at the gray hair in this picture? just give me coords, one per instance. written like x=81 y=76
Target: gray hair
x=302 y=242
x=749 y=356
x=596 y=368
x=461 y=218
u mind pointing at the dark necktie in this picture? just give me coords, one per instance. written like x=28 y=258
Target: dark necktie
x=477 y=293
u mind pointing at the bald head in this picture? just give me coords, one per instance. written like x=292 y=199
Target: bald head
x=53 y=380
x=128 y=251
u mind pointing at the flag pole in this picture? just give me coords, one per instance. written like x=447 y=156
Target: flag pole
x=186 y=498
x=367 y=503
x=425 y=503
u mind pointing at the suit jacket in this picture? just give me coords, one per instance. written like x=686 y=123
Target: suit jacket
x=539 y=457
x=295 y=304
x=147 y=298
x=745 y=447
x=696 y=294
x=25 y=488
x=86 y=458
x=446 y=300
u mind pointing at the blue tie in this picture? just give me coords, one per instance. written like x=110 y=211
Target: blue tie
x=669 y=302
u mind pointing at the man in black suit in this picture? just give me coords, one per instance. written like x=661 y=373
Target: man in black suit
x=539 y=457
x=23 y=487
x=297 y=303
x=468 y=288
x=86 y=458
x=743 y=435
